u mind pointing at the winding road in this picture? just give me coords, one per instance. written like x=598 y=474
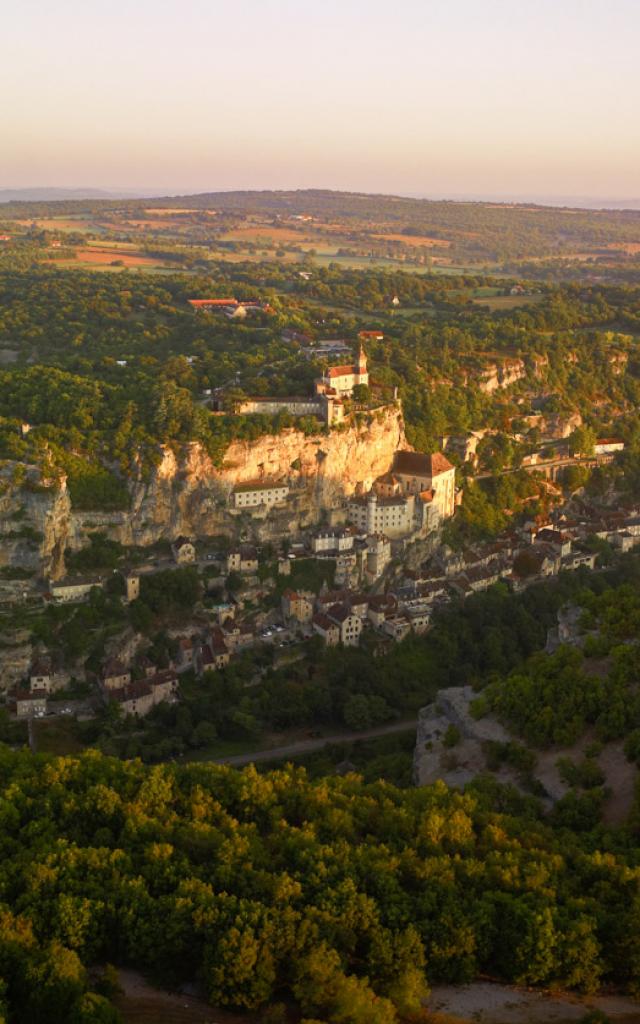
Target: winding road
x=309 y=746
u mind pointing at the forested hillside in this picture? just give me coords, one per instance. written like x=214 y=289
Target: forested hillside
x=105 y=367
x=348 y=898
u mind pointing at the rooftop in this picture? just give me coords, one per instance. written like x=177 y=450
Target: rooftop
x=341 y=371
x=258 y=485
x=76 y=581
x=323 y=621
x=418 y=464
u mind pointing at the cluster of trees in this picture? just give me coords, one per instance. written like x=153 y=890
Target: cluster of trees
x=350 y=898
x=553 y=699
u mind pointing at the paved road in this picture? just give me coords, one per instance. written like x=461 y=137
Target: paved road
x=309 y=746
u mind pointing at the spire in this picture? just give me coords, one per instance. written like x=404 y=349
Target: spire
x=362 y=360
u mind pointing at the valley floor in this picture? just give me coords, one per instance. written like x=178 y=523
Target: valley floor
x=488 y=1003
x=480 y=1003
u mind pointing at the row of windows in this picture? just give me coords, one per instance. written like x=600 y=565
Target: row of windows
x=258 y=496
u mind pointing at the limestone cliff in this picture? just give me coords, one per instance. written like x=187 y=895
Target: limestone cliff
x=34 y=525
x=499 y=375
x=187 y=494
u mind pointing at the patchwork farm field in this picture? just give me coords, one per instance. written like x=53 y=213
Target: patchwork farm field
x=123 y=257
x=62 y=224
x=112 y=256
x=497 y=302
x=416 y=240
x=258 y=233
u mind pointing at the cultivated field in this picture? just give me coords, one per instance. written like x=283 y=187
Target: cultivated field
x=261 y=232
x=498 y=302
x=416 y=240
x=61 y=224
x=126 y=257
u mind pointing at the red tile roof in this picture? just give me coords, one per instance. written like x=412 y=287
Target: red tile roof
x=341 y=371
x=439 y=464
x=419 y=464
x=323 y=622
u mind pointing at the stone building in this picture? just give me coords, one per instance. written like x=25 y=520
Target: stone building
x=30 y=703
x=243 y=559
x=326 y=628
x=259 y=493
x=412 y=498
x=73 y=588
x=341 y=380
x=297 y=605
x=349 y=624
x=325 y=406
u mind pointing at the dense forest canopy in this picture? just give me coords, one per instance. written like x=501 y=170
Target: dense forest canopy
x=350 y=898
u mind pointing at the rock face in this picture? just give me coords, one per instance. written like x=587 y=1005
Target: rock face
x=187 y=494
x=432 y=760
x=501 y=375
x=34 y=524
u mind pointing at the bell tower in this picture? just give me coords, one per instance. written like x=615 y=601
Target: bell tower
x=361 y=367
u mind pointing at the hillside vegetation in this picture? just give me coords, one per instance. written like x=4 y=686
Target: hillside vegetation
x=347 y=897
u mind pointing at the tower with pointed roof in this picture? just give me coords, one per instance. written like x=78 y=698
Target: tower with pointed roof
x=362 y=365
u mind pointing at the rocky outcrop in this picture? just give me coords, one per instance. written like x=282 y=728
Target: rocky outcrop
x=34 y=524
x=432 y=759
x=17 y=654
x=187 y=494
x=501 y=375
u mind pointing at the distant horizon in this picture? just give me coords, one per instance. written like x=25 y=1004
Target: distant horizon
x=79 y=193
x=537 y=99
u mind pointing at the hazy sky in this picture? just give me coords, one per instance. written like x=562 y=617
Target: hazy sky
x=422 y=96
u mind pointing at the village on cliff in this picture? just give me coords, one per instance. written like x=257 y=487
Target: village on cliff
x=336 y=536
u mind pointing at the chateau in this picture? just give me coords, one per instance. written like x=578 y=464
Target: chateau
x=336 y=383
x=413 y=497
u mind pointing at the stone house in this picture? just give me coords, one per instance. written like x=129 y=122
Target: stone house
x=326 y=628
x=164 y=685
x=29 y=703
x=43 y=675
x=243 y=559
x=397 y=627
x=114 y=675
x=186 y=653
x=135 y=698
x=297 y=605
x=73 y=588
x=380 y=607
x=259 y=493
x=349 y=624
x=378 y=555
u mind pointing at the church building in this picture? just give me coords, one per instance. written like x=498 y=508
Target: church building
x=343 y=379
